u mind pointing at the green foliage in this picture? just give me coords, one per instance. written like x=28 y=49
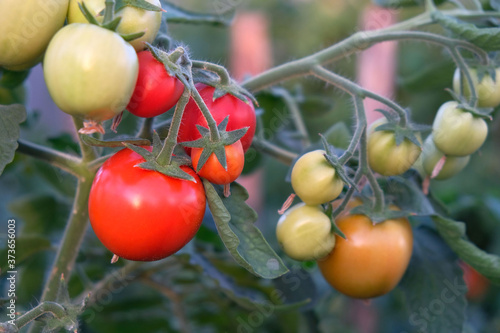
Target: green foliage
x=10 y=118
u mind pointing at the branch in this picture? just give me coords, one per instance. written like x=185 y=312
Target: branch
x=278 y=153
x=53 y=308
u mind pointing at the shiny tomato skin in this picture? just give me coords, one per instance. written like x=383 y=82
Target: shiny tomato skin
x=241 y=114
x=133 y=20
x=372 y=259
x=314 y=179
x=477 y=284
x=90 y=71
x=144 y=215
x=456 y=132
x=213 y=171
x=155 y=91
x=27 y=28
x=387 y=158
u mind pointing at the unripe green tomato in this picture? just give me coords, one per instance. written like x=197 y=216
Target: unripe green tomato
x=387 y=158
x=457 y=132
x=90 y=71
x=315 y=180
x=27 y=27
x=431 y=156
x=488 y=91
x=304 y=232
x=133 y=19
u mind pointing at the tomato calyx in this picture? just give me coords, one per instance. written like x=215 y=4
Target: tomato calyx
x=215 y=147
x=340 y=169
x=154 y=159
x=335 y=228
x=410 y=131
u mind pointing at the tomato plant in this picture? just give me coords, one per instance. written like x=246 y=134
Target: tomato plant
x=385 y=156
x=131 y=215
x=304 y=232
x=314 y=179
x=241 y=114
x=214 y=172
x=27 y=27
x=90 y=71
x=358 y=266
x=155 y=91
x=133 y=20
x=457 y=132
x=488 y=90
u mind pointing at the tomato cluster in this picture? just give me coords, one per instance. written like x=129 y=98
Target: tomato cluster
x=94 y=73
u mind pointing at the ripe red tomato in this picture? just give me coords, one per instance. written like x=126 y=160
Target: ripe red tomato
x=477 y=284
x=155 y=91
x=213 y=171
x=359 y=265
x=241 y=115
x=142 y=214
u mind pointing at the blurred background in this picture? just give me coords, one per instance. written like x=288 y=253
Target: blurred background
x=197 y=299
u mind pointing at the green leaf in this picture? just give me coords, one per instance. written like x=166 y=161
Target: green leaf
x=177 y=14
x=397 y=4
x=115 y=142
x=10 y=118
x=141 y=4
x=235 y=222
x=486 y=38
x=433 y=286
x=406 y=195
x=453 y=233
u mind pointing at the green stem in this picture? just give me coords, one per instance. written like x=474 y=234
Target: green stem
x=66 y=162
x=363 y=162
x=354 y=89
x=53 y=308
x=361 y=125
x=146 y=131
x=165 y=156
x=464 y=69
x=356 y=42
x=88 y=152
x=71 y=241
x=212 y=125
x=348 y=195
x=430 y=6
x=96 y=164
x=271 y=149
x=225 y=79
x=296 y=115
x=109 y=11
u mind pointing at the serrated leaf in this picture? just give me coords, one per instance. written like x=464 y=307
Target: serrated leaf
x=433 y=286
x=10 y=118
x=235 y=222
x=116 y=142
x=141 y=4
x=177 y=14
x=453 y=233
x=486 y=38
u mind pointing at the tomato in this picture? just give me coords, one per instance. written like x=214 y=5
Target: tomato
x=387 y=158
x=155 y=91
x=142 y=214
x=133 y=19
x=241 y=114
x=431 y=156
x=27 y=27
x=488 y=91
x=477 y=284
x=372 y=259
x=457 y=132
x=304 y=232
x=314 y=179
x=90 y=71
x=213 y=171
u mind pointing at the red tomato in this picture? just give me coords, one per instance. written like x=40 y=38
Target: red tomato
x=477 y=284
x=155 y=91
x=213 y=171
x=241 y=115
x=142 y=214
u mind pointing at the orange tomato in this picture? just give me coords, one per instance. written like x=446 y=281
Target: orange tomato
x=213 y=171
x=372 y=259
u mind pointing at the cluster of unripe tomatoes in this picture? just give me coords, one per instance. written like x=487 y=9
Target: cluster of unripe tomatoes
x=372 y=258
